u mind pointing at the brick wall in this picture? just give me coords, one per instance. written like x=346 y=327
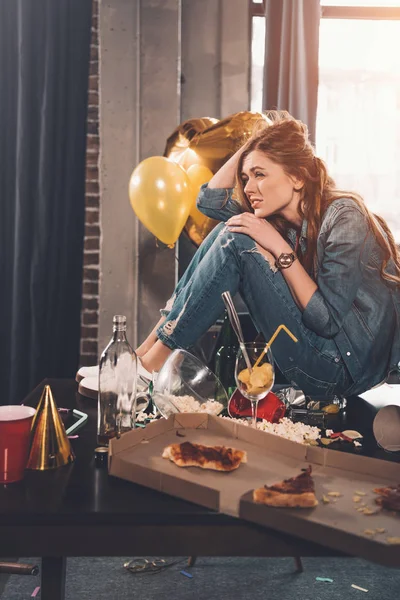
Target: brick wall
x=91 y=253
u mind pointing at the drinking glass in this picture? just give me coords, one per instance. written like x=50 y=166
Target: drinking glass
x=256 y=384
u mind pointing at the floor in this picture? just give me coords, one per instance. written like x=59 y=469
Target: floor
x=219 y=578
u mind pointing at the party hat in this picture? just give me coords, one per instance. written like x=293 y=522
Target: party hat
x=50 y=447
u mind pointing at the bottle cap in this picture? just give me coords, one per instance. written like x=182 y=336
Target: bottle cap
x=101 y=456
x=119 y=320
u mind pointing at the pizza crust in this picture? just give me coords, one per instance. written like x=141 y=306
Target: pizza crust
x=216 y=458
x=296 y=492
x=274 y=498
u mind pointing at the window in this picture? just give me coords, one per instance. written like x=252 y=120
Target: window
x=257 y=62
x=358 y=117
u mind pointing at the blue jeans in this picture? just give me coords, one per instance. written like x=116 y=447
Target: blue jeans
x=228 y=261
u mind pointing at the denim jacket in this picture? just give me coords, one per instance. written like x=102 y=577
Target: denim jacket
x=353 y=304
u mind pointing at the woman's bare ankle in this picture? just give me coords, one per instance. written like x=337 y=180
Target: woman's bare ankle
x=151 y=339
x=155 y=357
x=143 y=349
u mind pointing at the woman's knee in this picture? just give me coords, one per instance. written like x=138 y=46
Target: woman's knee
x=237 y=242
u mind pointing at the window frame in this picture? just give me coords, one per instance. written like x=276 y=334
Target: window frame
x=371 y=13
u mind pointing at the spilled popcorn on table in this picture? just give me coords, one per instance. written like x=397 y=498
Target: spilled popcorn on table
x=297 y=432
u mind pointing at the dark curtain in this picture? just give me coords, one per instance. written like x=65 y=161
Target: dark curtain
x=291 y=58
x=44 y=64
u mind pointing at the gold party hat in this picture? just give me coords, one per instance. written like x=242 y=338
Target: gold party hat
x=50 y=447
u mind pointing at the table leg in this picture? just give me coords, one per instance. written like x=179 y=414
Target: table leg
x=299 y=564
x=53 y=578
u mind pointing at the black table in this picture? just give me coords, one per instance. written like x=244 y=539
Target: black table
x=79 y=510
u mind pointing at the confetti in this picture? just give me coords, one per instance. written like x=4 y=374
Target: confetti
x=356 y=498
x=325 y=579
x=369 y=531
x=186 y=574
x=35 y=592
x=358 y=493
x=357 y=587
x=72 y=437
x=334 y=494
x=325 y=499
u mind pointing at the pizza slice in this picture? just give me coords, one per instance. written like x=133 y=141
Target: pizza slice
x=297 y=491
x=217 y=458
x=389 y=497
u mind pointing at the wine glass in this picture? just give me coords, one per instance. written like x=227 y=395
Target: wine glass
x=256 y=384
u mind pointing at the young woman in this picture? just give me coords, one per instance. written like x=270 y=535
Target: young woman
x=302 y=253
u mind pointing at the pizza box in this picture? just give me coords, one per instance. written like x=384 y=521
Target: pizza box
x=137 y=457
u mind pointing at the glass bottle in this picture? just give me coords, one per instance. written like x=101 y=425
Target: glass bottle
x=117 y=385
x=225 y=359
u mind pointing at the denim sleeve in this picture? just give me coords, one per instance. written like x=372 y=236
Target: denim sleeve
x=217 y=203
x=347 y=247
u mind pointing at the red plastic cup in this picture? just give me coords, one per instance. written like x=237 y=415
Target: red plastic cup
x=15 y=429
x=270 y=408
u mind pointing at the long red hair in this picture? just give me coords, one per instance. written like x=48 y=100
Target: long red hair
x=284 y=140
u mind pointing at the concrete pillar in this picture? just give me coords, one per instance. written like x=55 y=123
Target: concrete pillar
x=235 y=56
x=201 y=58
x=140 y=106
x=118 y=26
x=215 y=58
x=159 y=114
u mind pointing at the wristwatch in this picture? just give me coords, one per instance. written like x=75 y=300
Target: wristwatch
x=285 y=260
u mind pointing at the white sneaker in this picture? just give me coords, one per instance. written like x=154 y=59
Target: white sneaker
x=89 y=387
x=87 y=372
x=144 y=377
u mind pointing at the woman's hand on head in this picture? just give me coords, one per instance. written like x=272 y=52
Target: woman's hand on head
x=260 y=230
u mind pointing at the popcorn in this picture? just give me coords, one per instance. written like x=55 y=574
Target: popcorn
x=296 y=432
x=141 y=416
x=188 y=404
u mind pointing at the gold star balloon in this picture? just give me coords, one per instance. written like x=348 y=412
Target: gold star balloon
x=163 y=189
x=201 y=146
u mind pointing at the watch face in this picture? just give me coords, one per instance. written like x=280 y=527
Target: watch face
x=286 y=259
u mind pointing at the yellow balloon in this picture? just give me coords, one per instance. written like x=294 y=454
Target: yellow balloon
x=198 y=226
x=197 y=174
x=161 y=196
